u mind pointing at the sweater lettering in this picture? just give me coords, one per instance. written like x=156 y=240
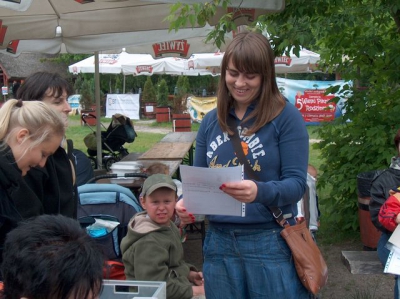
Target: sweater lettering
x=253 y=142
x=233 y=162
x=219 y=140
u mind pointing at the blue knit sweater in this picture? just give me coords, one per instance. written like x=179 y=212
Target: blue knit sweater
x=278 y=153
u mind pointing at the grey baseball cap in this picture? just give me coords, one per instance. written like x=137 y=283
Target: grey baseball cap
x=157 y=181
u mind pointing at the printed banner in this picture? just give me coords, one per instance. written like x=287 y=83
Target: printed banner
x=74 y=102
x=198 y=107
x=310 y=99
x=126 y=104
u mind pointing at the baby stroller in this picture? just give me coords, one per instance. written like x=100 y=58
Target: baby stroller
x=104 y=210
x=119 y=132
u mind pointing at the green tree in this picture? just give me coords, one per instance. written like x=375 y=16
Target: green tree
x=149 y=92
x=162 y=97
x=183 y=87
x=87 y=93
x=118 y=83
x=360 y=40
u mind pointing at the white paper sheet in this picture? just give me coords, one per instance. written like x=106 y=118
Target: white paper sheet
x=395 y=237
x=393 y=262
x=201 y=194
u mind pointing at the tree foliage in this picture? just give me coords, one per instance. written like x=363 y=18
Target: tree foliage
x=162 y=96
x=360 y=40
x=183 y=87
x=87 y=93
x=149 y=92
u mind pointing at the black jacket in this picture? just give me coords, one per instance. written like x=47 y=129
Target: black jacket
x=388 y=179
x=11 y=185
x=54 y=186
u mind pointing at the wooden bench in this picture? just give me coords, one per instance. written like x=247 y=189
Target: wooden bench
x=362 y=262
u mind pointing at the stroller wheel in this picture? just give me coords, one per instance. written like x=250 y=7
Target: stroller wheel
x=108 y=162
x=93 y=162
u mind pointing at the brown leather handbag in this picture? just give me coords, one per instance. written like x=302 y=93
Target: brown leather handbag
x=308 y=260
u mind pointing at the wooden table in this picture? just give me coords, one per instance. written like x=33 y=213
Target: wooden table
x=173 y=166
x=174 y=146
x=180 y=137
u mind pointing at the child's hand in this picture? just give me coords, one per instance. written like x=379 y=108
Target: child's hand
x=196 y=278
x=398 y=218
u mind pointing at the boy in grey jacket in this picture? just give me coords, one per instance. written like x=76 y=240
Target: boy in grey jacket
x=152 y=249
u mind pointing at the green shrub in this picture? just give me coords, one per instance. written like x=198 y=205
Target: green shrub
x=149 y=91
x=351 y=147
x=162 y=98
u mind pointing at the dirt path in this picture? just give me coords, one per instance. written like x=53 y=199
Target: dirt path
x=144 y=127
x=344 y=285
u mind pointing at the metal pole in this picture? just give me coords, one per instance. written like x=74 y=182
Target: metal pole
x=98 y=112
x=124 y=84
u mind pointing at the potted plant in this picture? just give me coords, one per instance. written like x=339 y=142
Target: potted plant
x=163 y=109
x=149 y=99
x=181 y=121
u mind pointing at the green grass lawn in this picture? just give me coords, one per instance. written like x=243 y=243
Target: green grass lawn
x=77 y=133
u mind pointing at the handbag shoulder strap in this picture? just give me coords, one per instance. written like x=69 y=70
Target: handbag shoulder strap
x=239 y=150
x=276 y=211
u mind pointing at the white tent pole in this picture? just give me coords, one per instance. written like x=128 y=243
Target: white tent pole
x=97 y=98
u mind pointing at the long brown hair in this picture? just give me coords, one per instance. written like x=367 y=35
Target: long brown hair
x=251 y=53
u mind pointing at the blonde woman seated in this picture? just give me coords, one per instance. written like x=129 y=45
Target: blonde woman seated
x=29 y=133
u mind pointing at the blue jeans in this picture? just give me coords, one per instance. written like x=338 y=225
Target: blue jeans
x=383 y=254
x=249 y=263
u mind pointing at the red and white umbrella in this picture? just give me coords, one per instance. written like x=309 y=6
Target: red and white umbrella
x=108 y=63
x=306 y=62
x=167 y=65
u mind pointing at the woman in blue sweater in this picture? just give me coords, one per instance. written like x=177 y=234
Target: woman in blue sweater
x=245 y=257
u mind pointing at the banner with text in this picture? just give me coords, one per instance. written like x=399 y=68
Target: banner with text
x=310 y=99
x=126 y=104
x=198 y=107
